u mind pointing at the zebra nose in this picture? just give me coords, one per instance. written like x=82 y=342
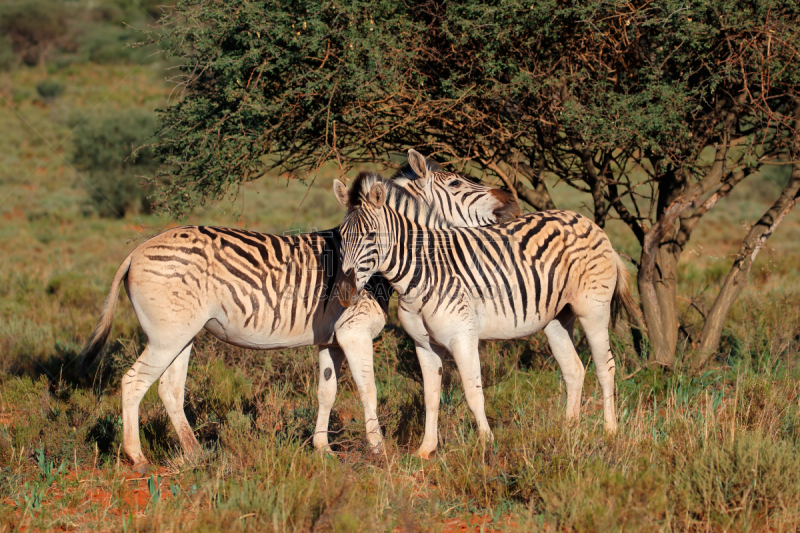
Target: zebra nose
x=507 y=212
x=346 y=289
x=510 y=208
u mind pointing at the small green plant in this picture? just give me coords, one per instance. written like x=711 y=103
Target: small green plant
x=32 y=497
x=154 y=486
x=127 y=522
x=47 y=468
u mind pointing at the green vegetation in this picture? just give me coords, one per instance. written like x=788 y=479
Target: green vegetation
x=104 y=147
x=713 y=451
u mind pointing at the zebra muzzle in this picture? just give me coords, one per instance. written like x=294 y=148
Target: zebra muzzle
x=346 y=288
x=510 y=208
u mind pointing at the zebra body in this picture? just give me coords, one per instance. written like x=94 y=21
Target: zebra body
x=461 y=285
x=249 y=289
x=263 y=291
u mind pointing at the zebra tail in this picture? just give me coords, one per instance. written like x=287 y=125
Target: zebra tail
x=623 y=299
x=103 y=327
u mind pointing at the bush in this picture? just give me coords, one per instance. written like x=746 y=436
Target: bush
x=7 y=57
x=36 y=29
x=106 y=148
x=49 y=89
x=107 y=44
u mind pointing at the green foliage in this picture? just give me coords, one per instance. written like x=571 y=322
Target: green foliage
x=32 y=497
x=47 y=468
x=7 y=57
x=108 y=149
x=49 y=89
x=276 y=85
x=154 y=486
x=109 y=44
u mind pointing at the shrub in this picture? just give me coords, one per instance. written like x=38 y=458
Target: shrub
x=107 y=44
x=7 y=57
x=49 y=89
x=106 y=148
x=36 y=29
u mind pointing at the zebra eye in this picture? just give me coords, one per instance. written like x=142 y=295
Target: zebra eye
x=371 y=236
x=454 y=183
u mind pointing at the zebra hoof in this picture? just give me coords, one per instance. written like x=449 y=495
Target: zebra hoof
x=425 y=455
x=325 y=451
x=376 y=449
x=141 y=468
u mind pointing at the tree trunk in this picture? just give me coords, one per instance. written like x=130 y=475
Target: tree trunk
x=658 y=293
x=658 y=272
x=736 y=279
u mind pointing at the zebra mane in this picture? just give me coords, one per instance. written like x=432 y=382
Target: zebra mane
x=397 y=197
x=406 y=172
x=357 y=189
x=364 y=182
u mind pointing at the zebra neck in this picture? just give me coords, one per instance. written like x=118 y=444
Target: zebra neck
x=416 y=250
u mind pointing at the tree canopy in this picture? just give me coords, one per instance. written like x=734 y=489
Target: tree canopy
x=657 y=108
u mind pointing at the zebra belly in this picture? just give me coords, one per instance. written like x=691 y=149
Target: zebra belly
x=498 y=326
x=479 y=320
x=233 y=333
x=325 y=321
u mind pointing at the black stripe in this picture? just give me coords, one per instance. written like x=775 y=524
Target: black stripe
x=168 y=258
x=238 y=250
x=231 y=288
x=207 y=232
x=551 y=277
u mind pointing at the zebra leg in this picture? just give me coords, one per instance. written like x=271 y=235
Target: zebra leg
x=171 y=389
x=559 y=335
x=430 y=361
x=595 y=326
x=330 y=366
x=357 y=346
x=135 y=383
x=465 y=352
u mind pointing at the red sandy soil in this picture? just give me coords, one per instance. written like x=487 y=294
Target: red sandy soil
x=94 y=487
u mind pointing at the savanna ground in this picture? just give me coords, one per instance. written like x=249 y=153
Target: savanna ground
x=715 y=452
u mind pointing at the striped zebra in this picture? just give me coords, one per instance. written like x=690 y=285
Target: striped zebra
x=460 y=285
x=263 y=291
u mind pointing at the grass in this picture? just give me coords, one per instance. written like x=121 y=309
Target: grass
x=692 y=453
x=707 y=452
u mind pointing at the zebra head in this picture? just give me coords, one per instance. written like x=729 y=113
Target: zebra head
x=365 y=242
x=458 y=199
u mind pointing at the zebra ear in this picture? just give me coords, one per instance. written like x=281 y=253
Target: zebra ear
x=341 y=193
x=420 y=168
x=377 y=196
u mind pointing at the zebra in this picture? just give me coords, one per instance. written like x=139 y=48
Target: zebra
x=457 y=286
x=263 y=291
